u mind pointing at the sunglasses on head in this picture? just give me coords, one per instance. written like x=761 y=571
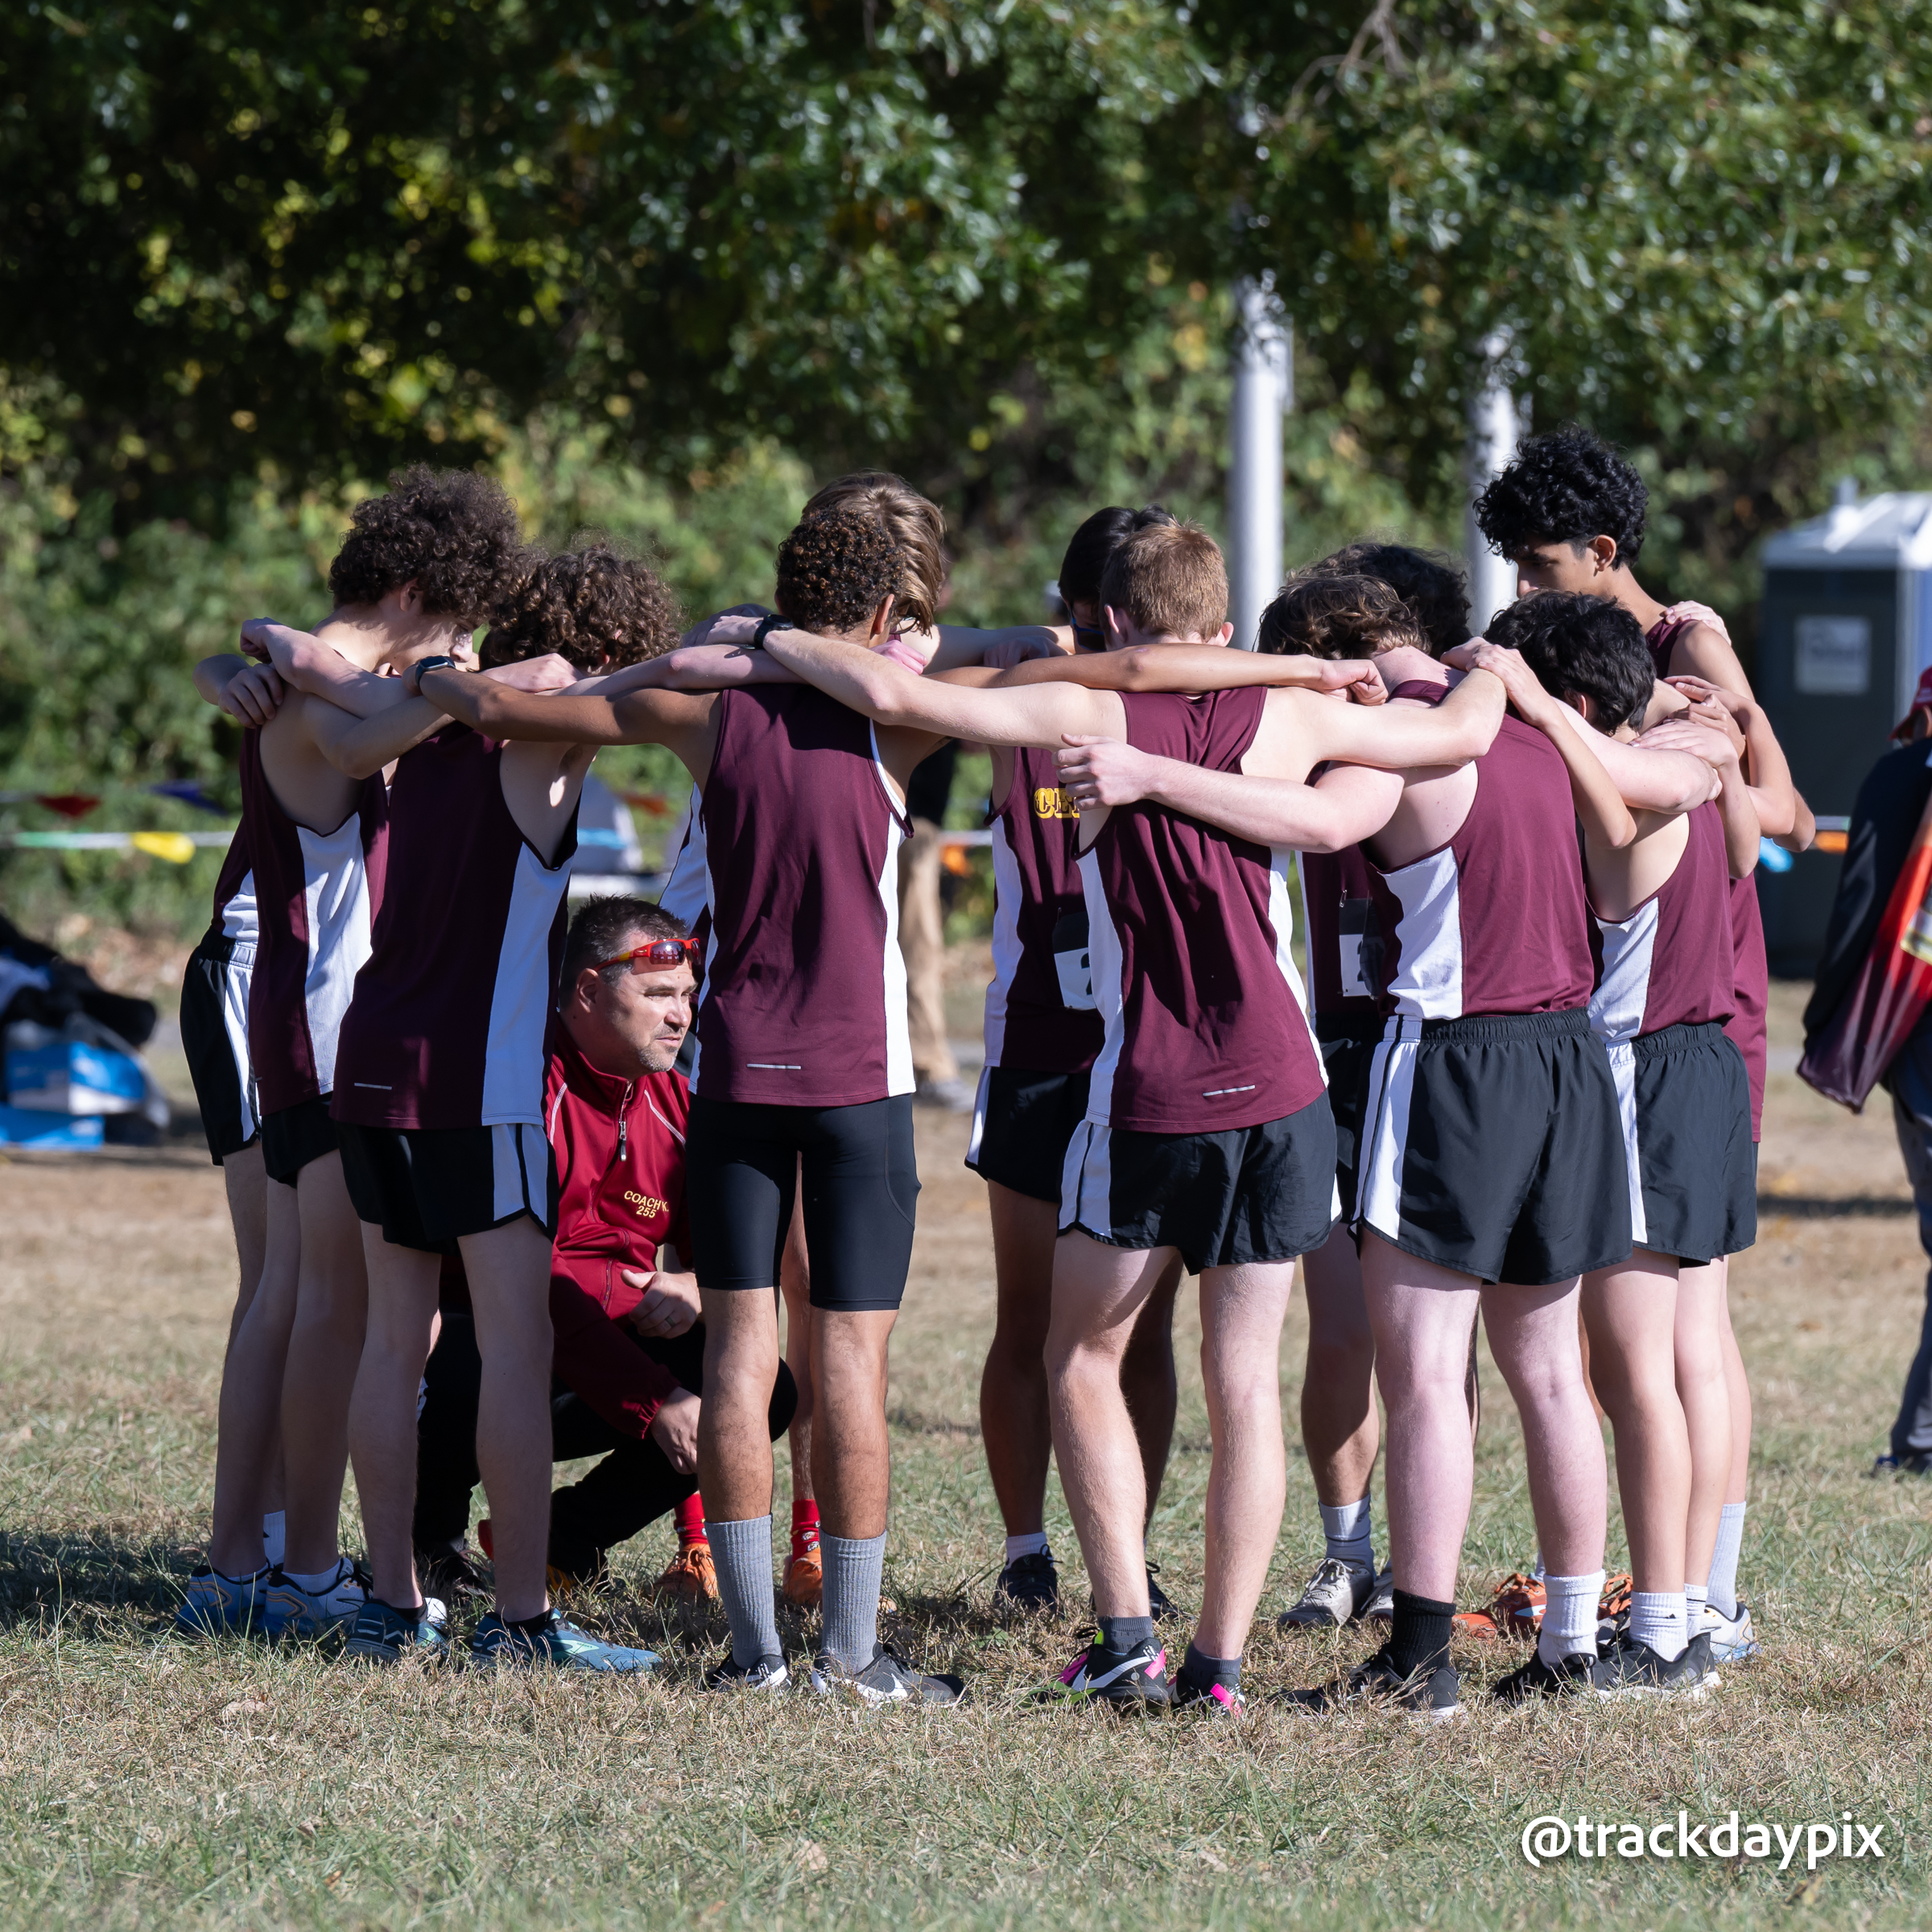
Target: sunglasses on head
x=657 y=952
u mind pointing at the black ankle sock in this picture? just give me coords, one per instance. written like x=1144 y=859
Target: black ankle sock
x=530 y=1626
x=1420 y=1639
x=1121 y=1634
x=1202 y=1672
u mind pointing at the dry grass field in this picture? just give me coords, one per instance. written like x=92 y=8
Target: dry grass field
x=144 y=1780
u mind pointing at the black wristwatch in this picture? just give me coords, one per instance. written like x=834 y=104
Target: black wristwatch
x=767 y=625
x=426 y=664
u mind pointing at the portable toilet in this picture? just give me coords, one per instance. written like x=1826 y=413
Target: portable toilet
x=1845 y=630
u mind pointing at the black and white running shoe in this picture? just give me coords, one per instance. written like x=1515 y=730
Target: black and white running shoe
x=1631 y=1668
x=888 y=1679
x=1029 y=1582
x=1136 y=1678
x=1160 y=1606
x=768 y=1674
x=1336 y=1594
x=1428 y=1697
x=1571 y=1678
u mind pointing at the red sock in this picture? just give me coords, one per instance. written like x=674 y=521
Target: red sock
x=690 y=1520
x=804 y=1527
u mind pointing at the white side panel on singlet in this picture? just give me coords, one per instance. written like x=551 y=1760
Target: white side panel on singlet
x=1623 y=989
x=240 y=918
x=335 y=889
x=1107 y=960
x=1428 y=980
x=520 y=1000
x=1007 y=893
x=687 y=891
x=1280 y=916
x=899 y=1076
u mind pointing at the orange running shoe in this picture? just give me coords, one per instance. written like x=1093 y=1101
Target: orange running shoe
x=1516 y=1609
x=1477 y=1623
x=692 y=1578
x=805 y=1580
x=1615 y=1602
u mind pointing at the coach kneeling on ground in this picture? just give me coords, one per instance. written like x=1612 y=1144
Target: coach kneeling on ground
x=630 y=1351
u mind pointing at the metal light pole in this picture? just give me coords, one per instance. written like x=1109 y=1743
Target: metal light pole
x=1496 y=421
x=1264 y=392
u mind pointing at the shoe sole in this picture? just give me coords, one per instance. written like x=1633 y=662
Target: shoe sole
x=1694 y=1693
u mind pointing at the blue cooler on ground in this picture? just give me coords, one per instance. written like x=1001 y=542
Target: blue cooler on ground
x=47 y=1073
x=26 y=1127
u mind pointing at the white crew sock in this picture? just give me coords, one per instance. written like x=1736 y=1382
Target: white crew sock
x=1657 y=1618
x=1723 y=1560
x=274 y=1536
x=317 y=1582
x=1569 y=1625
x=1695 y=1597
x=1033 y=1543
x=1349 y=1528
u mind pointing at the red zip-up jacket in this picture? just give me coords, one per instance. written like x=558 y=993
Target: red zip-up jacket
x=620 y=1150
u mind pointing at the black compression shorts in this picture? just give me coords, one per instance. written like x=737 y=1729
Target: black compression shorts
x=742 y=1166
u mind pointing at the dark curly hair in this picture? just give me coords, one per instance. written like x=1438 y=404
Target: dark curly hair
x=1565 y=487
x=1316 y=615
x=1582 y=646
x=835 y=569
x=1433 y=587
x=1097 y=540
x=451 y=532
x=592 y=604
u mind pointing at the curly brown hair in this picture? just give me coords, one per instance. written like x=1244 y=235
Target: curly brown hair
x=591 y=605
x=1432 y=586
x=451 y=532
x=1319 y=616
x=835 y=569
x=913 y=521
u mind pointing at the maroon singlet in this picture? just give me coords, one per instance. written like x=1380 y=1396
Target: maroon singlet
x=804 y=1000
x=1040 y=1010
x=1748 y=1024
x=447 y=1025
x=1669 y=963
x=1337 y=916
x=1189 y=928
x=1495 y=921
x=317 y=895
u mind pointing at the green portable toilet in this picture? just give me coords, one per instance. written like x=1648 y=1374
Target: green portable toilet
x=1845 y=630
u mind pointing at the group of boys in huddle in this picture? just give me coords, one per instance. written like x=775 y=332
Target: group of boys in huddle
x=483 y=1221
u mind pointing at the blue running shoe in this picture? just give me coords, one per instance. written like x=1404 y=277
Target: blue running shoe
x=498 y=1645
x=385 y=1635
x=219 y=1606
x=294 y=1612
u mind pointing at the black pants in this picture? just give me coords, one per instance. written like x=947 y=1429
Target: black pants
x=633 y=1485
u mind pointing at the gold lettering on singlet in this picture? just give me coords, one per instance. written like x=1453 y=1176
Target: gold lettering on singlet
x=1050 y=801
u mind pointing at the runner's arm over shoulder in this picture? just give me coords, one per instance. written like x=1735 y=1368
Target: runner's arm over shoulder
x=635 y=717
x=320 y=671
x=1400 y=737
x=360 y=747
x=1197 y=667
x=1781 y=814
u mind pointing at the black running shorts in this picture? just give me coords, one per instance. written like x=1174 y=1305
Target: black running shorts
x=1685 y=1102
x=1021 y=1122
x=426 y=1186
x=1493 y=1146
x=1348 y=1049
x=742 y=1166
x=1248 y=1194
x=214 y=1037
x=292 y=1137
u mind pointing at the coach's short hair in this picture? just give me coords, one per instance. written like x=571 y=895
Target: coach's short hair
x=1582 y=646
x=835 y=568
x=1170 y=579
x=1432 y=586
x=591 y=605
x=915 y=524
x=452 y=533
x=1564 y=487
x=601 y=926
x=1097 y=540
x=1317 y=616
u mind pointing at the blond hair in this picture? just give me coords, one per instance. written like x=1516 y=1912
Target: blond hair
x=914 y=523
x=1170 y=580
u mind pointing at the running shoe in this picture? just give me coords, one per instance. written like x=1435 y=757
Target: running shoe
x=1217 y=1700
x=450 y=1571
x=293 y=1612
x=1732 y=1639
x=498 y=1645
x=1160 y=1607
x=1478 y=1624
x=1029 y=1582
x=888 y=1679
x=385 y=1635
x=1916 y=1462
x=1516 y=1609
x=768 y=1674
x=214 y=1605
x=1136 y=1678
x=1381 y=1606
x=1537 y=1679
x=1633 y=1670
x=1429 y=1697
x=692 y=1577
x=1336 y=1594
x=805 y=1580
